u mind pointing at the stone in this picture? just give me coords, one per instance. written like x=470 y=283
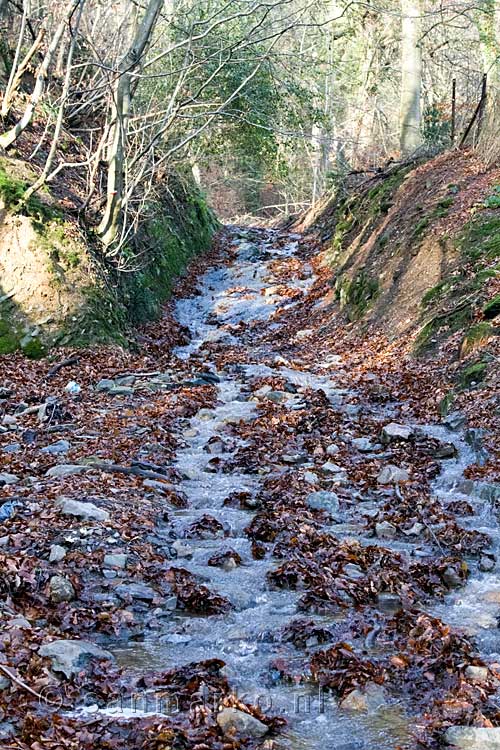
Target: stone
x=6 y=478
x=454 y=421
x=451 y=578
x=310 y=477
x=65 y=470
x=115 y=561
x=414 y=530
x=57 y=553
x=121 y=390
x=135 y=591
x=353 y=571
x=389 y=603
x=20 y=622
x=61 y=446
x=331 y=468
x=395 y=431
x=473 y=738
x=391 y=474
x=11 y=448
x=4 y=682
x=444 y=450
x=9 y=420
x=7 y=730
x=323 y=500
x=356 y=700
x=87 y=511
x=104 y=385
x=70 y=656
x=332 y=449
x=364 y=445
x=238 y=723
x=61 y=589
x=487 y=563
x=182 y=550
x=126 y=380
x=477 y=674
x=385 y=530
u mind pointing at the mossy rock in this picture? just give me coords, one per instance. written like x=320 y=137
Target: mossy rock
x=473 y=374
x=476 y=337
x=492 y=308
x=33 y=348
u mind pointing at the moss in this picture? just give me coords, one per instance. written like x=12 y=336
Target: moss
x=472 y=374
x=441 y=290
x=9 y=341
x=446 y=403
x=447 y=323
x=476 y=336
x=12 y=190
x=492 y=308
x=355 y=294
x=480 y=239
x=33 y=348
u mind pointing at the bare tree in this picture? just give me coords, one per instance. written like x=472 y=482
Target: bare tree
x=411 y=76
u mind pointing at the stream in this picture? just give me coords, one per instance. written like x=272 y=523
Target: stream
x=248 y=291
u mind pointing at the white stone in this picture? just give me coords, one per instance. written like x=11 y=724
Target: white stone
x=57 y=553
x=88 y=511
x=70 y=656
x=395 y=431
x=238 y=723
x=474 y=738
x=392 y=474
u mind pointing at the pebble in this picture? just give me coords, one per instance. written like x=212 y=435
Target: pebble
x=487 y=563
x=104 y=385
x=115 y=561
x=323 y=500
x=7 y=730
x=135 y=591
x=4 y=682
x=364 y=445
x=11 y=448
x=182 y=550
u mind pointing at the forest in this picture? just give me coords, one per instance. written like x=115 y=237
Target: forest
x=249 y=381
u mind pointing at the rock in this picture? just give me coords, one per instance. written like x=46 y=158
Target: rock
x=126 y=380
x=444 y=450
x=234 y=723
x=70 y=656
x=135 y=591
x=389 y=603
x=104 y=385
x=394 y=431
x=332 y=449
x=478 y=674
x=61 y=446
x=451 y=578
x=392 y=474
x=323 y=500
x=20 y=622
x=473 y=738
x=121 y=390
x=65 y=470
x=6 y=478
x=4 y=682
x=353 y=571
x=364 y=445
x=385 y=530
x=331 y=468
x=115 y=561
x=87 y=511
x=356 y=700
x=57 y=553
x=73 y=388
x=454 y=421
x=61 y=589
x=310 y=477
x=7 y=730
x=414 y=530
x=9 y=420
x=182 y=550
x=487 y=563
x=11 y=448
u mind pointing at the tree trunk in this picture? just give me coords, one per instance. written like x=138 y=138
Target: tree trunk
x=411 y=76
x=120 y=113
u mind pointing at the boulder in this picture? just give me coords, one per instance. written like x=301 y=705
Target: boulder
x=238 y=723
x=391 y=474
x=70 y=656
x=87 y=511
x=473 y=738
x=395 y=431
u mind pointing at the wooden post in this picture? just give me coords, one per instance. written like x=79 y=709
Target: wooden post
x=482 y=105
x=453 y=110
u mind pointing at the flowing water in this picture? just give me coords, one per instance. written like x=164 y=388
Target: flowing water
x=243 y=638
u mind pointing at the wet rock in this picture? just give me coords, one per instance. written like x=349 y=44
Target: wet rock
x=355 y=701
x=61 y=589
x=414 y=530
x=70 y=656
x=323 y=500
x=452 y=578
x=473 y=738
x=487 y=563
x=385 y=530
x=310 y=477
x=444 y=450
x=65 y=470
x=181 y=549
x=59 y=447
x=391 y=474
x=237 y=723
x=454 y=421
x=478 y=674
x=104 y=385
x=227 y=560
x=395 y=431
x=87 y=511
x=6 y=478
x=139 y=591
x=115 y=561
x=57 y=553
